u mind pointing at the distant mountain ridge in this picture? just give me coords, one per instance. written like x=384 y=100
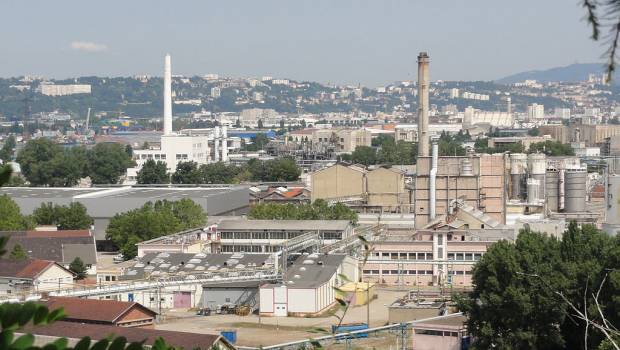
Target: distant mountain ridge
x=571 y=73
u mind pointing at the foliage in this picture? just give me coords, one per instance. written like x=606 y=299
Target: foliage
x=258 y=143
x=187 y=173
x=551 y=148
x=153 y=172
x=605 y=14
x=6 y=152
x=11 y=218
x=153 y=220
x=533 y=132
x=78 y=267
x=449 y=146
x=18 y=253
x=318 y=210
x=281 y=169
x=526 y=294
x=71 y=217
x=107 y=162
x=45 y=163
x=364 y=155
x=401 y=152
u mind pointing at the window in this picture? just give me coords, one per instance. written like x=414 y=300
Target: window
x=477 y=256
x=429 y=256
x=450 y=256
x=459 y=256
x=403 y=256
x=469 y=256
x=394 y=272
x=394 y=256
x=228 y=300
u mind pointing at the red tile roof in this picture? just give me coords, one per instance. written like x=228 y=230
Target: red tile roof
x=29 y=268
x=108 y=311
x=293 y=192
x=76 y=330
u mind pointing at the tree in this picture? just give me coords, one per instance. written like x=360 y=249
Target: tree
x=153 y=220
x=187 y=173
x=364 y=155
x=107 y=162
x=533 y=132
x=546 y=294
x=551 y=148
x=318 y=210
x=78 y=267
x=11 y=218
x=601 y=15
x=45 y=163
x=18 y=253
x=260 y=124
x=153 y=172
x=218 y=173
x=71 y=217
x=6 y=152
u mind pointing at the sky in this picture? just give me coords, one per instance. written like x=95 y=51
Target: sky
x=330 y=41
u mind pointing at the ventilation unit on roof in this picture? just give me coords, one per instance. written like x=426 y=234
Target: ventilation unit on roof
x=189 y=266
x=308 y=262
x=194 y=261
x=200 y=268
x=163 y=255
x=200 y=255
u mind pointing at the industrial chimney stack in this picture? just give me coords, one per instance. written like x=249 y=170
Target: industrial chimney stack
x=167 y=96
x=423 y=86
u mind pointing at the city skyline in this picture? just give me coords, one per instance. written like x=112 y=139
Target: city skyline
x=368 y=43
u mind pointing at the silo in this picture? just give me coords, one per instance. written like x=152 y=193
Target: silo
x=537 y=167
x=518 y=167
x=575 y=190
x=533 y=188
x=612 y=213
x=552 y=190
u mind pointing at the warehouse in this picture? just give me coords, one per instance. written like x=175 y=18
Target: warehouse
x=265 y=236
x=103 y=203
x=308 y=286
x=173 y=266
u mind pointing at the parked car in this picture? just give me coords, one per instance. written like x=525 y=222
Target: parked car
x=205 y=311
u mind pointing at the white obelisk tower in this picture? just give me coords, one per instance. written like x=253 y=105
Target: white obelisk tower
x=167 y=96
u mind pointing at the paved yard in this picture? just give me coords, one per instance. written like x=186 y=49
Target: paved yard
x=254 y=331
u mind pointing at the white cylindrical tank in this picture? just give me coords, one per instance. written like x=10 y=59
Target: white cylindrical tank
x=552 y=187
x=537 y=168
x=575 y=190
x=533 y=187
x=518 y=169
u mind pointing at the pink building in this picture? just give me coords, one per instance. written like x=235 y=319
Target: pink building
x=430 y=257
x=447 y=333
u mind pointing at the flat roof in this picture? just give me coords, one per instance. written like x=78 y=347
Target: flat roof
x=46 y=192
x=312 y=271
x=325 y=225
x=117 y=192
x=451 y=322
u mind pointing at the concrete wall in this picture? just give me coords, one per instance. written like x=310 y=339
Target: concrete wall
x=212 y=297
x=336 y=182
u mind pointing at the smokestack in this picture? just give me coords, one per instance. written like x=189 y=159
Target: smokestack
x=167 y=96
x=423 y=136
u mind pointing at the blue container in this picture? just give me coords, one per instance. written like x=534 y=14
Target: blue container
x=230 y=335
x=350 y=327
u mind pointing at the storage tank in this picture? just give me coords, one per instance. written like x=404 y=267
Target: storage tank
x=537 y=167
x=575 y=190
x=518 y=168
x=612 y=212
x=552 y=190
x=466 y=167
x=533 y=188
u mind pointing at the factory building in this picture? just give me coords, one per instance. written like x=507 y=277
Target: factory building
x=409 y=132
x=267 y=236
x=308 y=285
x=374 y=191
x=102 y=203
x=171 y=266
x=431 y=257
x=478 y=180
x=176 y=148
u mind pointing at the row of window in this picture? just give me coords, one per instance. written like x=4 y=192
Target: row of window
x=426 y=256
x=250 y=248
x=275 y=235
x=436 y=333
x=412 y=272
x=181 y=156
x=151 y=156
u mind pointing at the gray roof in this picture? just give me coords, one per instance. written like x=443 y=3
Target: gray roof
x=59 y=249
x=283 y=225
x=170 y=264
x=312 y=271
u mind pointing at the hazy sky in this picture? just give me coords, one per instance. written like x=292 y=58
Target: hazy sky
x=342 y=41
